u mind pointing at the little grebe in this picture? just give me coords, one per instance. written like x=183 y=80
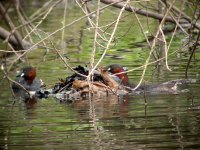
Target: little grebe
x=118 y=73
x=27 y=79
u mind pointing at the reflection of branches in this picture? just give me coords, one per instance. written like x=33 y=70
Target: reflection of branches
x=34 y=28
x=197 y=39
x=176 y=26
x=176 y=124
x=10 y=24
x=180 y=14
x=152 y=47
x=86 y=10
x=148 y=6
x=64 y=61
x=111 y=37
x=144 y=13
x=43 y=9
x=60 y=29
x=153 y=62
x=142 y=29
x=64 y=21
x=192 y=53
x=184 y=15
x=34 y=17
x=45 y=15
x=160 y=17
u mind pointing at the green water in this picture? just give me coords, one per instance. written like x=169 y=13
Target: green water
x=167 y=121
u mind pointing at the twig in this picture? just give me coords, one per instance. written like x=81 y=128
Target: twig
x=179 y=16
x=6 y=75
x=90 y=75
x=64 y=21
x=111 y=37
x=66 y=64
x=185 y=16
x=141 y=27
x=95 y=36
x=193 y=51
x=152 y=47
x=141 y=67
x=38 y=12
x=60 y=29
x=165 y=48
x=143 y=12
x=43 y=18
x=11 y=25
x=86 y=11
x=145 y=100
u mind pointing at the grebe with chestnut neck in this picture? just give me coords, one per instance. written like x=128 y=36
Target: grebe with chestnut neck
x=28 y=80
x=119 y=74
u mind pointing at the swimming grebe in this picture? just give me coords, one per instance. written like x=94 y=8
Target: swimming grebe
x=27 y=79
x=118 y=73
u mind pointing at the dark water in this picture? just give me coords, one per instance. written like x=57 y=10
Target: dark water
x=167 y=121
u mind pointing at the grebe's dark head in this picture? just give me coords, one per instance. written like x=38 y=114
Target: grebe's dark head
x=119 y=71
x=28 y=73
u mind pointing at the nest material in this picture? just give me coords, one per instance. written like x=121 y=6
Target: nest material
x=107 y=86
